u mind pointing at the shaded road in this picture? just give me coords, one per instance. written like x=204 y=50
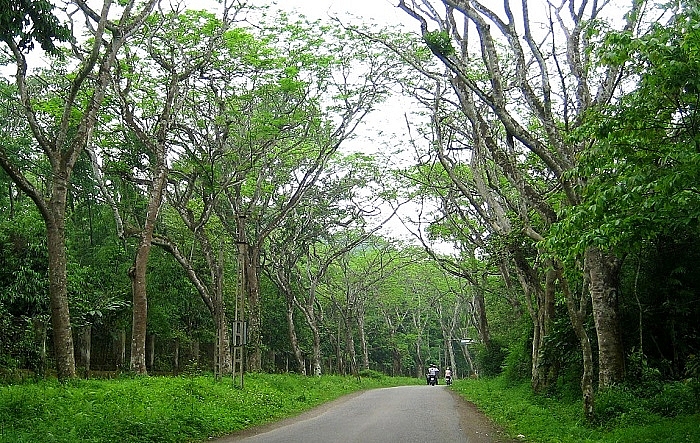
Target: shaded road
x=406 y=414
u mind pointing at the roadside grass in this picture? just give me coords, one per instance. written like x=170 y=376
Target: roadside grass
x=163 y=409
x=542 y=419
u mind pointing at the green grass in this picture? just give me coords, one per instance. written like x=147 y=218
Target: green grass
x=162 y=409
x=558 y=420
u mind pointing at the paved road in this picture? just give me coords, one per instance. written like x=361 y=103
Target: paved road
x=407 y=414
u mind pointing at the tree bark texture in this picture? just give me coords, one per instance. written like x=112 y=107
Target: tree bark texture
x=58 y=290
x=603 y=272
x=293 y=339
x=539 y=302
x=254 y=308
x=138 y=274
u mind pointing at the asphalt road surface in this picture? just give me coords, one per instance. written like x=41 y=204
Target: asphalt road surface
x=406 y=414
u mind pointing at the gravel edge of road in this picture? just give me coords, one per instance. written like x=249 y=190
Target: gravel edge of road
x=476 y=425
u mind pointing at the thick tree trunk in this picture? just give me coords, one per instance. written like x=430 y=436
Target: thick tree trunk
x=468 y=357
x=150 y=351
x=309 y=315
x=540 y=305
x=396 y=367
x=537 y=379
x=350 y=347
x=316 y=339
x=58 y=291
x=138 y=272
x=176 y=356
x=40 y=332
x=222 y=349
x=603 y=272
x=195 y=351
x=254 y=308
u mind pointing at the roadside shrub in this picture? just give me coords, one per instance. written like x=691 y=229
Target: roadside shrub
x=692 y=367
x=644 y=380
x=490 y=360
x=675 y=399
x=623 y=405
x=369 y=373
x=517 y=362
x=618 y=405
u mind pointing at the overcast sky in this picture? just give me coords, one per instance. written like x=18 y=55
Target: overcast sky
x=381 y=11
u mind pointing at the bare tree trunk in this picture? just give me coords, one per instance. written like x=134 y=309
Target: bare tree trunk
x=482 y=324
x=39 y=326
x=540 y=305
x=138 y=271
x=309 y=314
x=58 y=290
x=293 y=339
x=396 y=366
x=602 y=270
x=254 y=308
x=195 y=351
x=63 y=145
x=151 y=350
x=363 y=339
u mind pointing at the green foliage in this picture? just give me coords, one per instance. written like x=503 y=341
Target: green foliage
x=640 y=166
x=368 y=373
x=692 y=367
x=490 y=360
x=31 y=20
x=518 y=360
x=148 y=409
x=623 y=405
x=440 y=42
x=547 y=419
x=642 y=379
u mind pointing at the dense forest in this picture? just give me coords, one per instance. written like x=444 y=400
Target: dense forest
x=196 y=190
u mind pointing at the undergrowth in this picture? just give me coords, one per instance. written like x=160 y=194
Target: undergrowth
x=670 y=415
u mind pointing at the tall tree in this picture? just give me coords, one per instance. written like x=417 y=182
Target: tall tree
x=303 y=247
x=179 y=50
x=529 y=80
x=61 y=132
x=282 y=126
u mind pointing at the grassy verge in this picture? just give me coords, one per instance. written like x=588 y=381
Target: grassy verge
x=162 y=409
x=551 y=420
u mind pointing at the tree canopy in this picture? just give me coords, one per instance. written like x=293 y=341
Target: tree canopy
x=545 y=180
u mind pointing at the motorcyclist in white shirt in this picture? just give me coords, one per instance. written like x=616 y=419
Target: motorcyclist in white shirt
x=432 y=370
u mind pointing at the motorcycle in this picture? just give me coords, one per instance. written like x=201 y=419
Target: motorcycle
x=432 y=379
x=448 y=380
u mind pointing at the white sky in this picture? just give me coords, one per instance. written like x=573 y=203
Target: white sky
x=383 y=12
x=385 y=128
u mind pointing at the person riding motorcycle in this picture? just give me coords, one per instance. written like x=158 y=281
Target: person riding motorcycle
x=432 y=371
x=448 y=376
